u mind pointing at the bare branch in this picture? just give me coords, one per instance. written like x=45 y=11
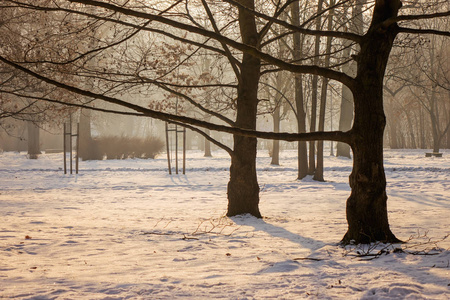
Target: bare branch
x=230 y=57
x=337 y=34
x=416 y=17
x=339 y=136
x=314 y=70
x=424 y=31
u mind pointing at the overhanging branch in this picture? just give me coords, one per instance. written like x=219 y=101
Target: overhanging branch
x=302 y=69
x=338 y=136
x=423 y=31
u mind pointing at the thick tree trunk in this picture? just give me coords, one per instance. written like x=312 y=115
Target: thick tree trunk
x=243 y=188
x=33 y=140
x=367 y=205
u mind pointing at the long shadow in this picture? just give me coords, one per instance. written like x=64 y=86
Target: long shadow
x=421 y=276
x=422 y=198
x=279 y=232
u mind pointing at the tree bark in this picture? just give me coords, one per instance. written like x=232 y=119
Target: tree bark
x=33 y=140
x=412 y=136
x=276 y=143
x=207 y=145
x=346 y=114
x=367 y=205
x=314 y=94
x=393 y=129
x=448 y=139
x=318 y=174
x=243 y=188
x=299 y=100
x=345 y=120
x=87 y=148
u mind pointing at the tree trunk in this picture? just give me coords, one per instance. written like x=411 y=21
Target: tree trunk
x=314 y=94
x=345 y=120
x=243 y=188
x=448 y=139
x=33 y=140
x=276 y=143
x=346 y=114
x=207 y=145
x=367 y=205
x=393 y=141
x=318 y=174
x=367 y=215
x=87 y=148
x=422 y=129
x=412 y=137
x=299 y=100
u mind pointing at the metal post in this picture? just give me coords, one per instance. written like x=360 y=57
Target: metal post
x=168 y=149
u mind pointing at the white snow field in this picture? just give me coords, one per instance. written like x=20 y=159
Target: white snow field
x=125 y=229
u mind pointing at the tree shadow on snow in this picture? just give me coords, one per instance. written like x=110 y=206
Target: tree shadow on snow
x=278 y=232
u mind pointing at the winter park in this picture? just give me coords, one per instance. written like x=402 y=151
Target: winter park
x=235 y=149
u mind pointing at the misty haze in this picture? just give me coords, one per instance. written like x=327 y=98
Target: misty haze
x=233 y=149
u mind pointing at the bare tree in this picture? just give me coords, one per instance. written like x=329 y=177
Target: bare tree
x=244 y=49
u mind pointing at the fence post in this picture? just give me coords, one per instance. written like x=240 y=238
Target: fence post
x=184 y=150
x=77 y=147
x=64 y=149
x=168 y=148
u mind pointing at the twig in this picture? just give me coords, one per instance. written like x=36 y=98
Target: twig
x=189 y=238
x=308 y=258
x=156 y=233
x=360 y=250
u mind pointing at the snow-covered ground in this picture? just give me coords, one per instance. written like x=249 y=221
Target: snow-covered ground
x=128 y=230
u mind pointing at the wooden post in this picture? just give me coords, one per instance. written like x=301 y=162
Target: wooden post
x=176 y=130
x=70 y=144
x=176 y=149
x=168 y=148
x=64 y=149
x=184 y=150
x=77 y=147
